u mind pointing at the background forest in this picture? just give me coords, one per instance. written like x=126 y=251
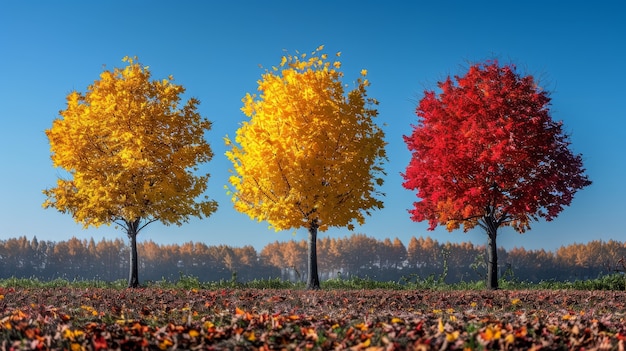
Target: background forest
x=355 y=256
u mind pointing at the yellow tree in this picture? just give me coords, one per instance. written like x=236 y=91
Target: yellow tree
x=310 y=156
x=130 y=152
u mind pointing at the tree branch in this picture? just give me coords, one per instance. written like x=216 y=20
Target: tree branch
x=263 y=191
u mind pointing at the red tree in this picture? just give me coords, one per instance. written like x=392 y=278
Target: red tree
x=486 y=153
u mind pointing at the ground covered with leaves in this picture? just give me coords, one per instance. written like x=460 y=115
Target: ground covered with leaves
x=283 y=319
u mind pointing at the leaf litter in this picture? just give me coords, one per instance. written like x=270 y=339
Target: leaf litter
x=282 y=319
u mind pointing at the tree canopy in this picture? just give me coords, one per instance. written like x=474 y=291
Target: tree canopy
x=308 y=151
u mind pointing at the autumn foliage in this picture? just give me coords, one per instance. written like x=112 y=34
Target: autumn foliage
x=129 y=149
x=487 y=153
x=308 y=151
x=310 y=156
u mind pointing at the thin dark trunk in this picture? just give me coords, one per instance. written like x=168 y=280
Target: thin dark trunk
x=313 y=280
x=133 y=276
x=492 y=255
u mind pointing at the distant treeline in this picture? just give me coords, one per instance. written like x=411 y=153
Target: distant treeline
x=355 y=256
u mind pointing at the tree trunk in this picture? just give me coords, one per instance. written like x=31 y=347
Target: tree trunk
x=133 y=276
x=492 y=256
x=313 y=280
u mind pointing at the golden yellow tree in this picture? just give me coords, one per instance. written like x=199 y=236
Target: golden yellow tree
x=130 y=152
x=310 y=156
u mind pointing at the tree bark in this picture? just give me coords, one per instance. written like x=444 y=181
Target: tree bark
x=313 y=280
x=133 y=275
x=492 y=254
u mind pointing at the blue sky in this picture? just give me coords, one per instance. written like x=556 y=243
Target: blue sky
x=576 y=49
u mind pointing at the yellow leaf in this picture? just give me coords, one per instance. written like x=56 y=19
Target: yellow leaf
x=397 y=320
x=491 y=333
x=361 y=326
x=509 y=338
x=450 y=337
x=165 y=344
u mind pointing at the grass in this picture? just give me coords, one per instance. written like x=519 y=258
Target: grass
x=615 y=282
x=60 y=283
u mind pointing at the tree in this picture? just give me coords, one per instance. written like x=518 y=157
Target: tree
x=310 y=156
x=413 y=252
x=246 y=255
x=130 y=151
x=294 y=259
x=424 y=254
x=399 y=252
x=272 y=255
x=360 y=253
x=486 y=153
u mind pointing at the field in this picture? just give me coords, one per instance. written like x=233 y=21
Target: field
x=102 y=318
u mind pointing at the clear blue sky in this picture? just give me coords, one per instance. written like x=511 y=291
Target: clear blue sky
x=214 y=48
